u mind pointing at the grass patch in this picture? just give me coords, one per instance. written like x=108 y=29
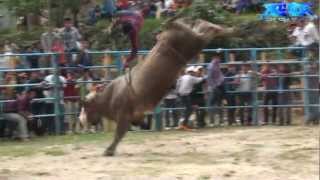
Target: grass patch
x=39 y=144
x=246 y=17
x=204 y=177
x=54 y=152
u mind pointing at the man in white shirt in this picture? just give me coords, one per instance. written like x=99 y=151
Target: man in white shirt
x=185 y=86
x=50 y=83
x=311 y=34
x=311 y=38
x=245 y=79
x=306 y=35
x=297 y=35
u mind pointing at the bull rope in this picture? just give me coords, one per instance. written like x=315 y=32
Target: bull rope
x=180 y=58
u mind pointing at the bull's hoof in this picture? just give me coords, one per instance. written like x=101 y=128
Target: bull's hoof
x=108 y=153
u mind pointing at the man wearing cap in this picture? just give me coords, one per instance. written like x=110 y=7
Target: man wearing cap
x=185 y=85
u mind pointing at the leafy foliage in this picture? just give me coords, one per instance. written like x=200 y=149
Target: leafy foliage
x=23 y=7
x=208 y=10
x=250 y=32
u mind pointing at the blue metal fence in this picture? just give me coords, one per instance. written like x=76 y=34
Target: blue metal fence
x=253 y=61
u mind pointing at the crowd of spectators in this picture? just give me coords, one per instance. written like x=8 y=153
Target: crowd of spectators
x=234 y=86
x=152 y=9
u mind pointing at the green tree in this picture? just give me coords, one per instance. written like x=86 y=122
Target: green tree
x=60 y=7
x=29 y=9
x=23 y=7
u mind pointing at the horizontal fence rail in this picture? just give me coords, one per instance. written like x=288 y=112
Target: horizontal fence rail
x=253 y=61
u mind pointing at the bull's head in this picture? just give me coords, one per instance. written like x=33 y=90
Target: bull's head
x=89 y=114
x=189 y=36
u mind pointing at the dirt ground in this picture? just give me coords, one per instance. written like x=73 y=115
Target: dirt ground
x=251 y=153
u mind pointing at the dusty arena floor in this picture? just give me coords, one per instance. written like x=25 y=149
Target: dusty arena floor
x=250 y=153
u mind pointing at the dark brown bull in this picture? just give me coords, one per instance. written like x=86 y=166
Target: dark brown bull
x=128 y=97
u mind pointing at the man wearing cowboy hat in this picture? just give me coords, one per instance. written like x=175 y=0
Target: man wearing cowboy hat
x=185 y=85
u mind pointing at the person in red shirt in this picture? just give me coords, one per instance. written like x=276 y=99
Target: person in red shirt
x=122 y=4
x=131 y=23
x=58 y=47
x=270 y=83
x=71 y=99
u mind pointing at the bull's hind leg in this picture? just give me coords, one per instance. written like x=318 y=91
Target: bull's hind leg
x=122 y=129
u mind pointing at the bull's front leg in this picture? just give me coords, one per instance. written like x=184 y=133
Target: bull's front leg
x=121 y=130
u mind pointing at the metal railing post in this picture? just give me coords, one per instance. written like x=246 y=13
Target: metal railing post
x=56 y=89
x=305 y=86
x=318 y=78
x=255 y=103
x=118 y=63
x=157 y=116
x=226 y=56
x=279 y=54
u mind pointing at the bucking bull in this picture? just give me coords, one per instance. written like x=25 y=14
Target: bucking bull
x=128 y=97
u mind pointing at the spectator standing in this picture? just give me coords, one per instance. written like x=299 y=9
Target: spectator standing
x=231 y=84
x=311 y=37
x=71 y=103
x=170 y=101
x=242 y=5
x=50 y=83
x=296 y=38
x=94 y=15
x=313 y=94
x=22 y=78
x=284 y=97
x=33 y=60
x=6 y=62
x=306 y=35
x=47 y=39
x=37 y=107
x=85 y=58
x=109 y=8
x=245 y=80
x=58 y=47
x=270 y=84
x=185 y=85
x=215 y=88
x=10 y=79
x=197 y=97
x=122 y=4
x=71 y=36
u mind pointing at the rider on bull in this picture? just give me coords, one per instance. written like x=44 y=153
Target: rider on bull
x=131 y=22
